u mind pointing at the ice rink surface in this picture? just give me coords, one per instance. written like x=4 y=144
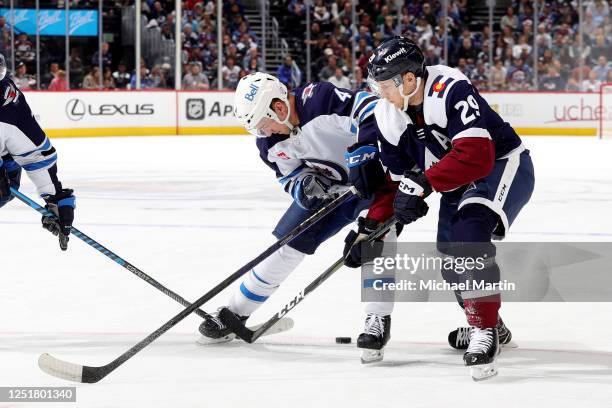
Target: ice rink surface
x=191 y=210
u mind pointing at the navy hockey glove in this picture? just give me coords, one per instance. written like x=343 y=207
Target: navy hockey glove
x=409 y=203
x=352 y=242
x=365 y=170
x=312 y=192
x=62 y=205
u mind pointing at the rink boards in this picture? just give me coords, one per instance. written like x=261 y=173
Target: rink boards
x=147 y=113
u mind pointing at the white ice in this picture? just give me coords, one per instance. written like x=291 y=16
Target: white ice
x=190 y=210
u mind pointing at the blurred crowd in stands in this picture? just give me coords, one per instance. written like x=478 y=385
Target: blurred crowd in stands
x=561 y=59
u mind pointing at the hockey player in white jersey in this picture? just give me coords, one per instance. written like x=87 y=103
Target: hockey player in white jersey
x=24 y=145
x=303 y=138
x=433 y=117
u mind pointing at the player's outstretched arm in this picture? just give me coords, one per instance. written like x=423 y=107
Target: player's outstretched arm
x=33 y=152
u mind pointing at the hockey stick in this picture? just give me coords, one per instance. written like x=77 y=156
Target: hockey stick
x=92 y=374
x=110 y=254
x=231 y=321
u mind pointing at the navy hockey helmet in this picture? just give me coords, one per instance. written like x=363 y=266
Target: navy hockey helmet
x=396 y=56
x=390 y=61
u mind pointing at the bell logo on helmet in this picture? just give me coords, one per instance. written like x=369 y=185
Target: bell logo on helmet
x=395 y=55
x=252 y=92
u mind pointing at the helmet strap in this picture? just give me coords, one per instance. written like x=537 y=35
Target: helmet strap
x=411 y=94
x=287 y=119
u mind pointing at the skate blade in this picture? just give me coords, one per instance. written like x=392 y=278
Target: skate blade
x=369 y=356
x=205 y=341
x=483 y=372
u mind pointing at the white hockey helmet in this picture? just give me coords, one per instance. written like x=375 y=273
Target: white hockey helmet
x=252 y=100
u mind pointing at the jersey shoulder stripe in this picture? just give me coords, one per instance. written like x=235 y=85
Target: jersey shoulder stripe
x=363 y=107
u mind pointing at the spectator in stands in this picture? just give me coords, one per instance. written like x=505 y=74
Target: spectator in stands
x=59 y=82
x=189 y=37
x=289 y=73
x=108 y=82
x=552 y=81
x=5 y=36
x=48 y=77
x=329 y=70
x=462 y=65
x=599 y=10
x=158 y=77
x=158 y=12
x=77 y=69
x=479 y=77
x=340 y=80
x=321 y=15
x=166 y=31
x=602 y=68
x=121 y=76
x=358 y=82
x=22 y=79
x=591 y=84
x=107 y=57
x=231 y=73
x=522 y=49
x=195 y=79
x=467 y=51
x=519 y=76
x=601 y=46
x=92 y=79
x=430 y=56
x=24 y=50
x=145 y=78
x=252 y=62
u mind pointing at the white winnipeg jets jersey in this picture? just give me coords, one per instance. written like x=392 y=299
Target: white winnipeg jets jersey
x=23 y=143
x=329 y=124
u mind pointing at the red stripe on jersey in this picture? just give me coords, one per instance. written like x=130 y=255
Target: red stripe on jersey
x=470 y=159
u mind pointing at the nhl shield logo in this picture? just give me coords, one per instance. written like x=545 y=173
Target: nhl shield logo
x=196 y=109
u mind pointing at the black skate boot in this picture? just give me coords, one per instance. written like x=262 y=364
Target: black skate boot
x=482 y=353
x=214 y=331
x=375 y=336
x=460 y=338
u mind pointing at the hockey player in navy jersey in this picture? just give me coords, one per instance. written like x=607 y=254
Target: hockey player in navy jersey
x=437 y=134
x=302 y=137
x=24 y=145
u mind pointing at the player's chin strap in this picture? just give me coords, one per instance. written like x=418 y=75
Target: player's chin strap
x=411 y=94
x=286 y=121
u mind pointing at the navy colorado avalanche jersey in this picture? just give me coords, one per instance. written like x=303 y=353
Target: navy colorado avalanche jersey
x=452 y=113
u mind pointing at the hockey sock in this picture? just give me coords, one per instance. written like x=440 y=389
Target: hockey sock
x=263 y=280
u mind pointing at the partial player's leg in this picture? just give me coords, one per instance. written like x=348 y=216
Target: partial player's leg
x=377 y=327
x=471 y=231
x=459 y=338
x=265 y=278
x=376 y=332
x=486 y=211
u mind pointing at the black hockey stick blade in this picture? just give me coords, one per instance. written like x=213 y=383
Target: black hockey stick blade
x=234 y=324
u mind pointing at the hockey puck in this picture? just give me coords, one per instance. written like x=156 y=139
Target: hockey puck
x=343 y=340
